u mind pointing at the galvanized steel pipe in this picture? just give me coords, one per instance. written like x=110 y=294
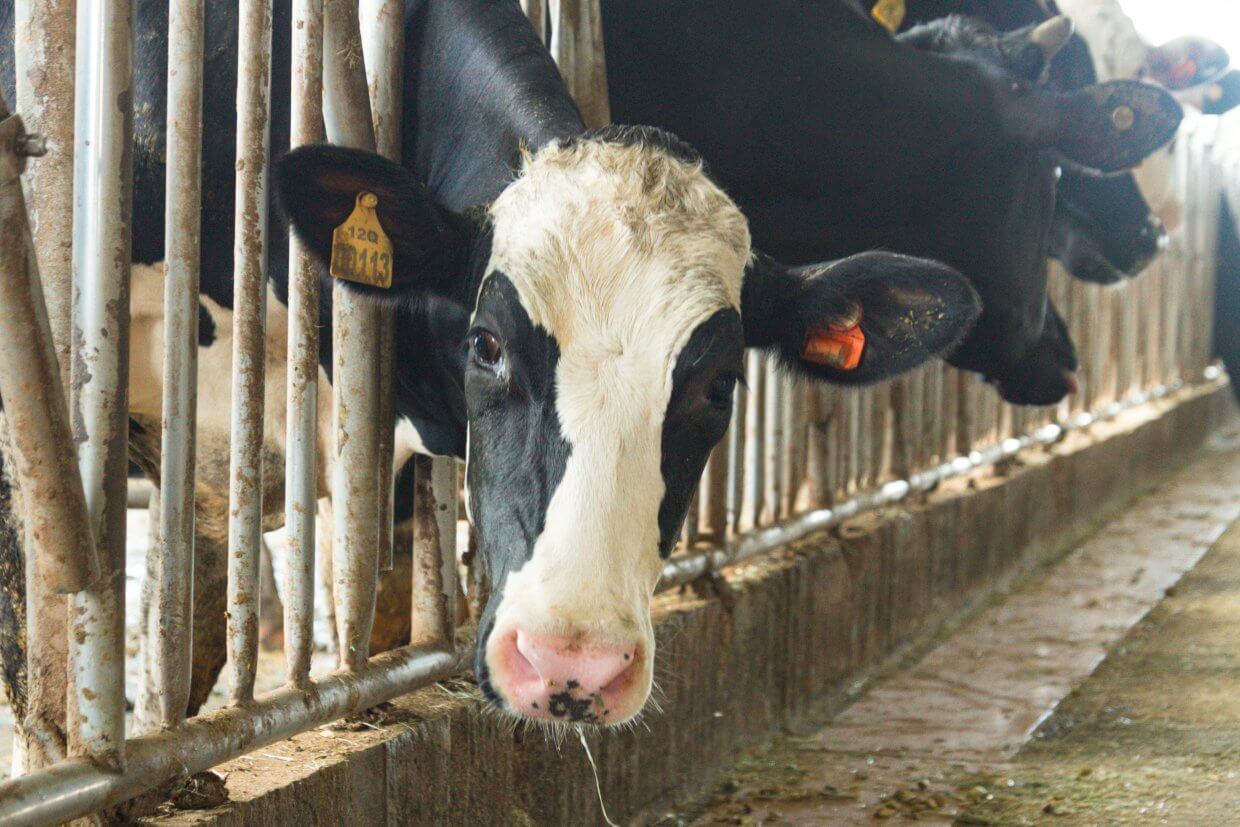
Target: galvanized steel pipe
x=355 y=385
x=77 y=788
x=245 y=492
x=301 y=448
x=173 y=588
x=102 y=203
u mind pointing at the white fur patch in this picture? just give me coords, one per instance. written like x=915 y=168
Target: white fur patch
x=619 y=252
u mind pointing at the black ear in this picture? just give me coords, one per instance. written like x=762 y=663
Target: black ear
x=318 y=187
x=1030 y=50
x=905 y=310
x=1106 y=127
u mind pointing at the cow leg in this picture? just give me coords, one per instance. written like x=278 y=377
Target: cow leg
x=210 y=594
x=210 y=563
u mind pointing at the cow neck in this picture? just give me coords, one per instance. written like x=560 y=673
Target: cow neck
x=483 y=86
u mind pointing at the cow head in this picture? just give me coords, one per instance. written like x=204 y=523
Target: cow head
x=1104 y=230
x=612 y=292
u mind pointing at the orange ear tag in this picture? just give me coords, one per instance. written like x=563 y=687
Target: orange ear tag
x=839 y=346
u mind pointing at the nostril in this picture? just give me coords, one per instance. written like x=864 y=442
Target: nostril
x=574 y=663
x=521 y=667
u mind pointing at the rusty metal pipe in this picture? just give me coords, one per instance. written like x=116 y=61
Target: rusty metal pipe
x=55 y=505
x=78 y=788
x=245 y=491
x=45 y=55
x=173 y=588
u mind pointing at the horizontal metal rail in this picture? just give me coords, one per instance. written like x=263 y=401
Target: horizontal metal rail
x=76 y=788
x=685 y=569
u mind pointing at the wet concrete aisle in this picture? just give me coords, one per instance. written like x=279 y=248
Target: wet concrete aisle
x=1105 y=690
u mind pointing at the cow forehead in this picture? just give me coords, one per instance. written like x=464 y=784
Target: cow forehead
x=618 y=249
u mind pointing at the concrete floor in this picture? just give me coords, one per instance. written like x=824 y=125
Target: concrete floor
x=1067 y=702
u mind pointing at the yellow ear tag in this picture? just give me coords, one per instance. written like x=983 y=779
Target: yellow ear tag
x=361 y=251
x=890 y=13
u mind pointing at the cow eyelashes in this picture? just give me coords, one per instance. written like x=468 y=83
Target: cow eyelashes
x=485 y=347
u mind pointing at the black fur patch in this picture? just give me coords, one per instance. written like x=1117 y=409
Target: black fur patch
x=640 y=136
x=206 y=326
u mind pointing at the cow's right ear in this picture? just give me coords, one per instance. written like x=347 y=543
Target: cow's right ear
x=318 y=188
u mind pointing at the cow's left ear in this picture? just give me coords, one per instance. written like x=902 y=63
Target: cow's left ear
x=857 y=320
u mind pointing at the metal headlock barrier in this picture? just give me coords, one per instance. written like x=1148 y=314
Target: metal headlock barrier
x=796 y=460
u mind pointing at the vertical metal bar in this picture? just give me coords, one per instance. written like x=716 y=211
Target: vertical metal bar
x=447 y=502
x=383 y=42
x=715 y=489
x=431 y=622
x=300 y=462
x=755 y=376
x=577 y=46
x=45 y=54
x=245 y=490
x=690 y=529
x=102 y=203
x=346 y=113
x=773 y=440
x=174 y=584
x=736 y=459
x=55 y=506
x=821 y=408
x=536 y=11
x=795 y=439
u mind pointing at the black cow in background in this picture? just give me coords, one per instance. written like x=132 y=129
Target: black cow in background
x=1104 y=230
x=834 y=138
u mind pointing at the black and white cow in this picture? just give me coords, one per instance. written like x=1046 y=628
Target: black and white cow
x=833 y=138
x=572 y=310
x=1103 y=229
x=612 y=291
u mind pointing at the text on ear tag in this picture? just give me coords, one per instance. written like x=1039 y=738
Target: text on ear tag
x=890 y=13
x=839 y=346
x=361 y=251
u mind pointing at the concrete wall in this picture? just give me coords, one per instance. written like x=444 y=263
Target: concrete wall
x=801 y=627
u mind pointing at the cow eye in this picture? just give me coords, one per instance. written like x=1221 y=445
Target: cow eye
x=485 y=347
x=720 y=394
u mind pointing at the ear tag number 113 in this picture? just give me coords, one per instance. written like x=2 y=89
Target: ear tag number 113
x=361 y=251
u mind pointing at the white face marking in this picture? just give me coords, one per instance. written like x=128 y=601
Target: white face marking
x=619 y=252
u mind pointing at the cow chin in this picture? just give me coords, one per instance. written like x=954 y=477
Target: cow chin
x=569 y=656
